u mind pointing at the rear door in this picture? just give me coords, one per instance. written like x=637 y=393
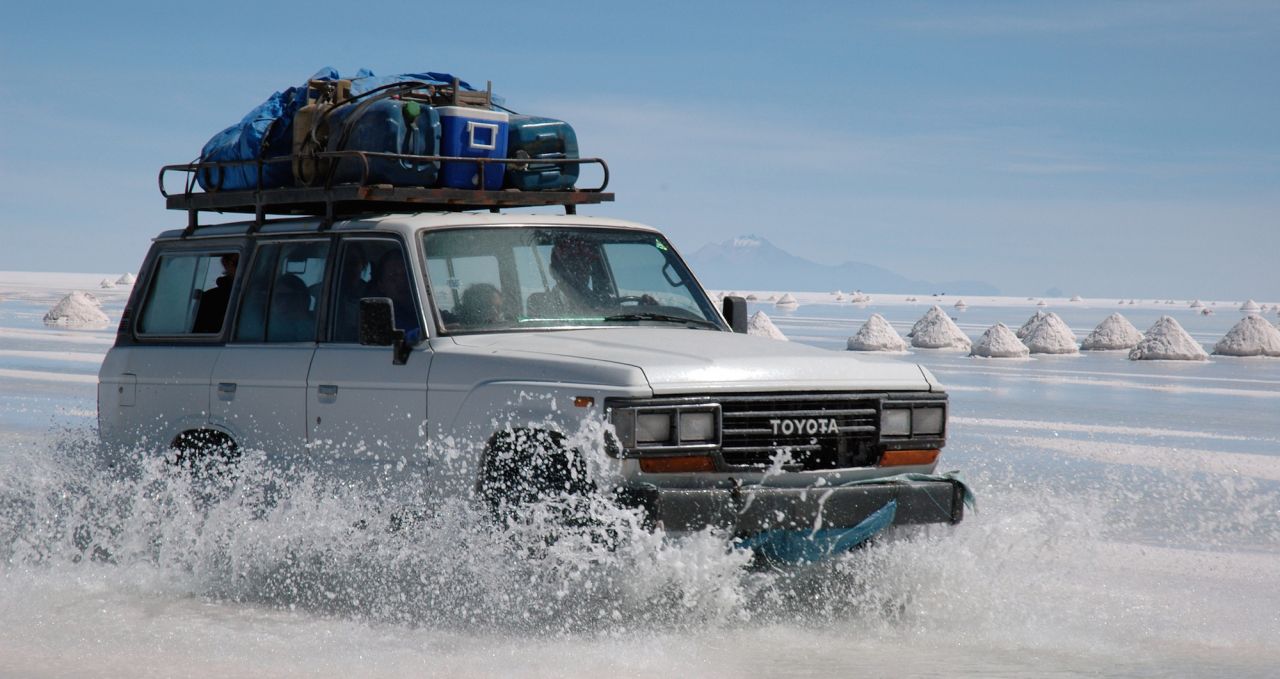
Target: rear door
x=259 y=381
x=361 y=407
x=156 y=381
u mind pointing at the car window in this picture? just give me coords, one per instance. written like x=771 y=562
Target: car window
x=189 y=294
x=282 y=294
x=370 y=267
x=504 y=278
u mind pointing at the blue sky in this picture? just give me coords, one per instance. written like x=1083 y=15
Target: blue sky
x=1109 y=149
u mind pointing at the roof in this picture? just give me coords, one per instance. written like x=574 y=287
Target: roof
x=400 y=223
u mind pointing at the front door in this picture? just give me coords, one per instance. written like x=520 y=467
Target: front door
x=259 y=383
x=366 y=413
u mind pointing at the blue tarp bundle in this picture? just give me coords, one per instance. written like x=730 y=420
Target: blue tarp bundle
x=267 y=130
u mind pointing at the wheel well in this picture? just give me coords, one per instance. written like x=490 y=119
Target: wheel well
x=521 y=465
x=204 y=446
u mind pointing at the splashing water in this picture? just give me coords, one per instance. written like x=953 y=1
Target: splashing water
x=1077 y=574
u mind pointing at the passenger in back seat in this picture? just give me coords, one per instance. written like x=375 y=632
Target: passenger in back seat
x=292 y=319
x=213 y=302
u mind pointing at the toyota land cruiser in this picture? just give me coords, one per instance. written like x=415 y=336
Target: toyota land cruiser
x=384 y=342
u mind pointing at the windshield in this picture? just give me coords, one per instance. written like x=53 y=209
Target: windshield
x=513 y=278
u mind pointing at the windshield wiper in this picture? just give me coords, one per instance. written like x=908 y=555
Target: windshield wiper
x=650 y=316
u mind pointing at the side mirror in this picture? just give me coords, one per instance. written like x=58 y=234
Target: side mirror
x=735 y=312
x=378 y=327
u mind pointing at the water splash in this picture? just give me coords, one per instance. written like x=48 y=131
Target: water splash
x=1067 y=565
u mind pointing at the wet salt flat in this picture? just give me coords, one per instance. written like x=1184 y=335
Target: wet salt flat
x=1128 y=525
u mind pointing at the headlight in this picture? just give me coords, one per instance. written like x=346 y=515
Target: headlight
x=697 y=426
x=653 y=427
x=895 y=422
x=668 y=428
x=920 y=421
x=928 y=421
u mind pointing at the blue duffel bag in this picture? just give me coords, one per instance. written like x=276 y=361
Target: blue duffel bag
x=267 y=131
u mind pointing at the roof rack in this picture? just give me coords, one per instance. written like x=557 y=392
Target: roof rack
x=331 y=200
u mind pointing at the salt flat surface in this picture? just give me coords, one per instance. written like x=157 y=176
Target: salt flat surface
x=1127 y=526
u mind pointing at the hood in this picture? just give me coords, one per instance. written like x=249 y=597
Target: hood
x=681 y=360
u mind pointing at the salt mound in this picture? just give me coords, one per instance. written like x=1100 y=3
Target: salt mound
x=1249 y=307
x=126 y=279
x=1042 y=303
x=106 y=284
x=1114 y=332
x=839 y=298
x=1167 y=341
x=999 y=342
x=77 y=310
x=1197 y=304
x=1050 y=336
x=752 y=298
x=761 y=326
x=876 y=335
x=787 y=300
x=1252 y=336
x=1031 y=323
x=1206 y=312
x=960 y=305
x=859 y=297
x=936 y=330
x=1076 y=298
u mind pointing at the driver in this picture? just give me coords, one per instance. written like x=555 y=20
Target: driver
x=579 y=272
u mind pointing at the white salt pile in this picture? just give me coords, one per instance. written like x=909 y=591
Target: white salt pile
x=960 y=305
x=77 y=310
x=859 y=297
x=126 y=279
x=1051 y=336
x=1249 y=307
x=839 y=298
x=1042 y=303
x=752 y=298
x=999 y=342
x=1031 y=323
x=762 y=326
x=1114 y=332
x=876 y=335
x=1076 y=298
x=1197 y=304
x=1252 y=336
x=1206 y=312
x=936 y=330
x=787 y=300
x=106 y=284
x=1167 y=341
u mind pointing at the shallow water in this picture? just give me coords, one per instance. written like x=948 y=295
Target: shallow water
x=1128 y=525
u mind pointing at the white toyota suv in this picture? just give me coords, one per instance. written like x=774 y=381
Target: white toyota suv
x=509 y=355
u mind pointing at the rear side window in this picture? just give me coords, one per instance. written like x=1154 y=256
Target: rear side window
x=282 y=294
x=189 y=294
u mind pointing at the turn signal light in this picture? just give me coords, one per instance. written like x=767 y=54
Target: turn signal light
x=902 y=458
x=675 y=465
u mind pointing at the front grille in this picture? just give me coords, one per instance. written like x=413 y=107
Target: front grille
x=821 y=431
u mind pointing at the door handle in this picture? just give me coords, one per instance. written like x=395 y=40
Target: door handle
x=226 y=390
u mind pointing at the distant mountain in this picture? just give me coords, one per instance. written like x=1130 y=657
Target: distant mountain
x=753 y=263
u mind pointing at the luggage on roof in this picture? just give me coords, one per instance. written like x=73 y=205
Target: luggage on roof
x=413 y=141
